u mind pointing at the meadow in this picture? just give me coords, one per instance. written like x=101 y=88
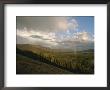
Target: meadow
x=35 y=59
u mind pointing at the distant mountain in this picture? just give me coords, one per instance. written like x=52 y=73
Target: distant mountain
x=39 y=48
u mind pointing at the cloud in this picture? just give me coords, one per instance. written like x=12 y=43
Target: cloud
x=39 y=23
x=84 y=36
x=33 y=37
x=73 y=24
x=20 y=40
x=36 y=36
x=63 y=39
x=39 y=37
x=46 y=24
x=55 y=32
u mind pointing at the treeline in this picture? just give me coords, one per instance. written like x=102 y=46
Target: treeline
x=83 y=65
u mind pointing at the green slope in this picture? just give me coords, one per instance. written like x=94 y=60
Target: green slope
x=78 y=63
x=25 y=65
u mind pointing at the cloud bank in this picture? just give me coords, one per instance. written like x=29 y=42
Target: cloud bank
x=53 y=32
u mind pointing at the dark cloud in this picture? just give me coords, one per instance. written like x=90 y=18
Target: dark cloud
x=36 y=36
x=22 y=40
x=39 y=37
x=39 y=23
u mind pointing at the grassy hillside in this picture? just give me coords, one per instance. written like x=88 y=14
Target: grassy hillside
x=75 y=62
x=26 y=65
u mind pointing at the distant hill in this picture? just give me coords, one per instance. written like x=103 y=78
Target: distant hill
x=39 y=48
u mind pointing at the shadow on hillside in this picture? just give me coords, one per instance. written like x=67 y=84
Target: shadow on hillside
x=80 y=69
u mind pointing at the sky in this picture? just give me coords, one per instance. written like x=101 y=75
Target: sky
x=56 y=32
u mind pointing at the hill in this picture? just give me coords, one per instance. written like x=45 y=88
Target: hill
x=74 y=62
x=26 y=65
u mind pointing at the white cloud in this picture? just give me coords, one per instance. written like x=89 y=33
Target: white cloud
x=52 y=40
x=73 y=24
x=84 y=36
x=35 y=37
x=52 y=32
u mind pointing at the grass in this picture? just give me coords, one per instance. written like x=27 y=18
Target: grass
x=67 y=62
x=25 y=65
